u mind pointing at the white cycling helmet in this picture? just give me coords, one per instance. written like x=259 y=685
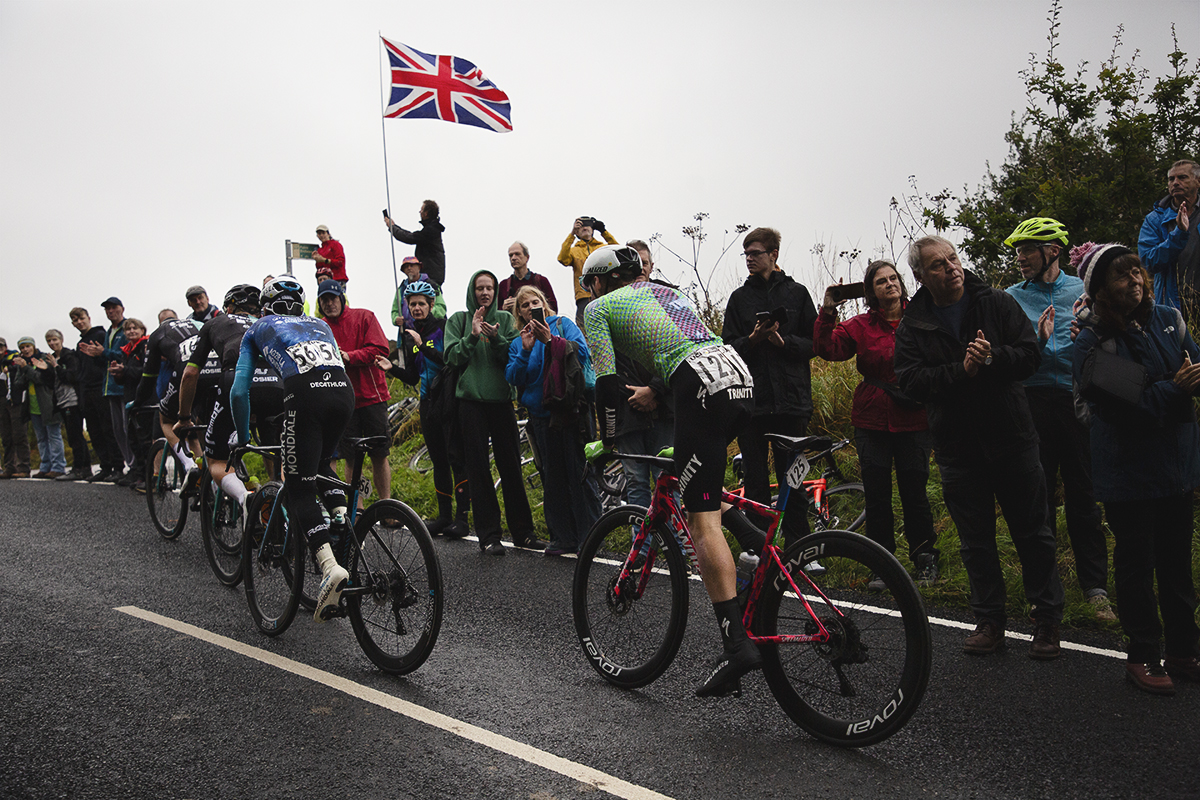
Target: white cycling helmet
x=619 y=259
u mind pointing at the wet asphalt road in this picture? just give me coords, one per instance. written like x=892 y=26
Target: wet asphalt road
x=96 y=703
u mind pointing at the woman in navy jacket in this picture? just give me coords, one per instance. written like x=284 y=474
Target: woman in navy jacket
x=1145 y=462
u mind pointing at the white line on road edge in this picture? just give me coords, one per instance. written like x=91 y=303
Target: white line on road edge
x=495 y=741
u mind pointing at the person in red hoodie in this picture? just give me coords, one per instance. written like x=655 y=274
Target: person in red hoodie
x=361 y=340
x=888 y=427
x=330 y=258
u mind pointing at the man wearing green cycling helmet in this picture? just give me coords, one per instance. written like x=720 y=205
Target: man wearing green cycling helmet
x=1047 y=295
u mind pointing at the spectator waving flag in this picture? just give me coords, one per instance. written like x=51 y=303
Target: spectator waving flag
x=443 y=87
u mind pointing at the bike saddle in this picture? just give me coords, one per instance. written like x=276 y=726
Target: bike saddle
x=369 y=443
x=802 y=443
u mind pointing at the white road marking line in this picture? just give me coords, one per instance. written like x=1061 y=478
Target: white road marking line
x=946 y=623
x=502 y=744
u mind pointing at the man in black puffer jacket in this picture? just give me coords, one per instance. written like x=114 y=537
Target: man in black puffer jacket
x=777 y=349
x=429 y=249
x=963 y=349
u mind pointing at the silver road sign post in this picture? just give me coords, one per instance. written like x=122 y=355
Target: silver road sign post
x=298 y=250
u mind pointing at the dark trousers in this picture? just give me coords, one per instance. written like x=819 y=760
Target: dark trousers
x=909 y=452
x=81 y=459
x=443 y=439
x=99 y=425
x=1066 y=447
x=1154 y=540
x=753 y=443
x=120 y=428
x=478 y=422
x=569 y=500
x=14 y=435
x=971 y=493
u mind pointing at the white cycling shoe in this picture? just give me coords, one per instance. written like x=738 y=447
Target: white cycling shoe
x=332 y=584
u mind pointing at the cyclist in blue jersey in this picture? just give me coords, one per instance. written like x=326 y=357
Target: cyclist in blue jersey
x=658 y=327
x=318 y=402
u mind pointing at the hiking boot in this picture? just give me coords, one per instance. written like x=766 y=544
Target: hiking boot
x=99 y=477
x=436 y=526
x=330 y=592
x=724 y=676
x=876 y=584
x=1149 y=677
x=1044 y=646
x=40 y=474
x=494 y=549
x=926 y=573
x=456 y=530
x=1187 y=669
x=987 y=638
x=1103 y=607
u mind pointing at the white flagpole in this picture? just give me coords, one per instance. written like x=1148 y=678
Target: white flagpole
x=386 y=188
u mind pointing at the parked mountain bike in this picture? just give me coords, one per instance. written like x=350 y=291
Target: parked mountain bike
x=402 y=417
x=394 y=594
x=833 y=503
x=530 y=459
x=848 y=667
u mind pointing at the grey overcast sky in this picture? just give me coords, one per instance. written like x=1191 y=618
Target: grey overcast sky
x=148 y=146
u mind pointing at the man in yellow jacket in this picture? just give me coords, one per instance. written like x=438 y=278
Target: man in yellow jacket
x=578 y=245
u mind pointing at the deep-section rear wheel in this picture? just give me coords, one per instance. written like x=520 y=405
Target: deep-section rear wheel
x=394 y=596
x=865 y=681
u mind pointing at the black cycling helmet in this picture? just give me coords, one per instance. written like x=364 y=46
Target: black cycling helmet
x=283 y=296
x=243 y=296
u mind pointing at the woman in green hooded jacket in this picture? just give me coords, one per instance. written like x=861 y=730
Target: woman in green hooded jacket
x=476 y=343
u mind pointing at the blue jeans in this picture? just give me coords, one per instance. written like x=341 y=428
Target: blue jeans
x=639 y=483
x=50 y=445
x=569 y=501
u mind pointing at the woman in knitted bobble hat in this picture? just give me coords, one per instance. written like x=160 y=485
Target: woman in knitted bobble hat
x=1145 y=463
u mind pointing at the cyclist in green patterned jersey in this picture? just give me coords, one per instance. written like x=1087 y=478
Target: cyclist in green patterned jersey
x=714 y=397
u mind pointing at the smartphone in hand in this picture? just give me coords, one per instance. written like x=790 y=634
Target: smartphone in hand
x=539 y=314
x=848 y=291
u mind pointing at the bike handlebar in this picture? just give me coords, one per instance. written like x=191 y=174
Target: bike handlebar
x=236 y=453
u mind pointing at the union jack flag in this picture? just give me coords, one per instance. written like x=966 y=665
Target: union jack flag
x=444 y=87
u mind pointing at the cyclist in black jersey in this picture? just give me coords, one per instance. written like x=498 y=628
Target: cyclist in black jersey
x=168 y=348
x=318 y=402
x=659 y=328
x=222 y=335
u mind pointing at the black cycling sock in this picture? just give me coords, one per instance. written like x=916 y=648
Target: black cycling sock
x=729 y=620
x=749 y=537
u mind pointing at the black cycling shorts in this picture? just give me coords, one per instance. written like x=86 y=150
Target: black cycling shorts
x=202 y=404
x=317 y=406
x=705 y=424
